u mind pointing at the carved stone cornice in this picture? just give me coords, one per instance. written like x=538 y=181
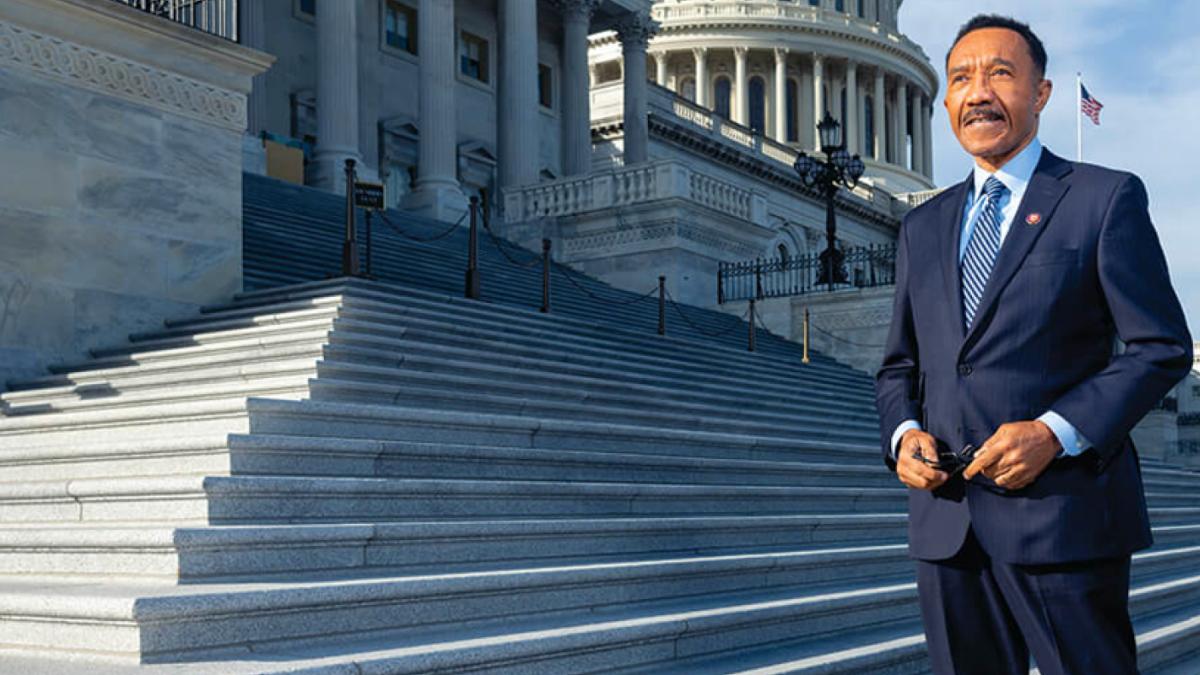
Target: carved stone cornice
x=89 y=68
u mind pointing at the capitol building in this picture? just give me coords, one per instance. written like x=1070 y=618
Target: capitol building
x=670 y=173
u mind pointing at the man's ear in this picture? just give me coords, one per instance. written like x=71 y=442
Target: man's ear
x=1042 y=97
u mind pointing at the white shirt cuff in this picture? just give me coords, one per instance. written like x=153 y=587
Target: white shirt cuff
x=899 y=432
x=1073 y=443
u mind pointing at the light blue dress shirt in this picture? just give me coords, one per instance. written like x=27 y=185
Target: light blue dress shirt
x=1015 y=174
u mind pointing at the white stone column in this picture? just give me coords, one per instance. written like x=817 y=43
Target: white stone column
x=660 y=68
x=437 y=193
x=918 y=132
x=804 y=106
x=337 y=94
x=634 y=31
x=902 y=123
x=517 y=114
x=818 y=89
x=576 y=98
x=741 y=93
x=927 y=123
x=879 y=108
x=781 y=94
x=700 y=54
x=852 y=132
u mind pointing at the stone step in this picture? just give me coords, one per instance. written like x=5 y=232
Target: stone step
x=192 y=554
x=254 y=349
x=413 y=344
x=150 y=423
x=285 y=370
x=183 y=623
x=385 y=422
x=343 y=381
x=297 y=499
x=195 y=554
x=394 y=302
x=173 y=623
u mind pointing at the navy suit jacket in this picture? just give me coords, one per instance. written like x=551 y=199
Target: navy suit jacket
x=1081 y=264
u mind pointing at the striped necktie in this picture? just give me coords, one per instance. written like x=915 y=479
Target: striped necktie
x=982 y=249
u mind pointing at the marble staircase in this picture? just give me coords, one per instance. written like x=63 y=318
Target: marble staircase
x=350 y=476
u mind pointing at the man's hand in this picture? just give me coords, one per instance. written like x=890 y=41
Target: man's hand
x=913 y=472
x=1016 y=454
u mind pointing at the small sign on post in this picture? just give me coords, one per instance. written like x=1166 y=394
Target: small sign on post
x=368 y=196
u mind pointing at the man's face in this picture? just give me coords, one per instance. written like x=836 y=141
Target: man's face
x=994 y=94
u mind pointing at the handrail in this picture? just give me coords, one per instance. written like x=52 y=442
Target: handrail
x=868 y=267
x=215 y=17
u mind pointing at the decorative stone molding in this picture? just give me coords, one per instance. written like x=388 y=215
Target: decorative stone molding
x=577 y=8
x=635 y=31
x=97 y=71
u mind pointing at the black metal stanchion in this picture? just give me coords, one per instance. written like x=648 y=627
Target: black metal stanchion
x=545 y=276
x=662 y=305
x=472 y=285
x=758 y=291
x=720 y=283
x=750 y=347
x=350 y=243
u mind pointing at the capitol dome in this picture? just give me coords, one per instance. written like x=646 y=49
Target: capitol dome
x=776 y=66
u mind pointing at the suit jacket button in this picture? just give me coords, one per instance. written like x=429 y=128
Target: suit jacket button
x=964 y=369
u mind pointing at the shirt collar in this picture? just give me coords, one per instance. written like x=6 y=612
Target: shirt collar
x=1016 y=172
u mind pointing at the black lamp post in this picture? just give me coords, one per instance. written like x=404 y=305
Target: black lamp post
x=837 y=170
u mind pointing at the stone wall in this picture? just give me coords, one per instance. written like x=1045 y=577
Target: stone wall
x=120 y=151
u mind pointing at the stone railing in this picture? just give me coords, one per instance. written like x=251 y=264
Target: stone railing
x=780 y=12
x=915 y=199
x=625 y=186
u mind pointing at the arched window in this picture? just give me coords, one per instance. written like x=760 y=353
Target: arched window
x=687 y=88
x=784 y=256
x=721 y=97
x=758 y=104
x=793 y=133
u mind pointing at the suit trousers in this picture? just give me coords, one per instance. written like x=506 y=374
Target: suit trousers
x=985 y=617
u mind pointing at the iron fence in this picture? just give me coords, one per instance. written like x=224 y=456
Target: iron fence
x=866 y=267
x=217 y=17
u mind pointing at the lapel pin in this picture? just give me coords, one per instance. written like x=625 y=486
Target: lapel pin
x=1033 y=219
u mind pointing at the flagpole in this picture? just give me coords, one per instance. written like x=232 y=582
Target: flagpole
x=1078 y=117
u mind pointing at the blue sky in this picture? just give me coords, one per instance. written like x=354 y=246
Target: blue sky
x=1142 y=61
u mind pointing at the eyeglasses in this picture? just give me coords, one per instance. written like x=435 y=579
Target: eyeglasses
x=950 y=462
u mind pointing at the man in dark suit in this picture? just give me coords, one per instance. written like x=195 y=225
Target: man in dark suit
x=1010 y=289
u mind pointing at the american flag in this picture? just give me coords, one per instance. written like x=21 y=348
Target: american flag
x=1088 y=105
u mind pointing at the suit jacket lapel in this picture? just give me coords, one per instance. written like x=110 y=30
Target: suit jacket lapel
x=1041 y=197
x=949 y=241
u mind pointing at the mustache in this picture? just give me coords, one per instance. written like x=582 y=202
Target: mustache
x=985 y=113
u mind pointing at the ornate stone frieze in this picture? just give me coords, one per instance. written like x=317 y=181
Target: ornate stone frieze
x=625 y=235
x=116 y=76
x=577 y=8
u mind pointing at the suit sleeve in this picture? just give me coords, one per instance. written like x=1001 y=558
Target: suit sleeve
x=1148 y=319
x=896 y=380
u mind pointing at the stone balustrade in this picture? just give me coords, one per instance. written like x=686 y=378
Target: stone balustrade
x=627 y=186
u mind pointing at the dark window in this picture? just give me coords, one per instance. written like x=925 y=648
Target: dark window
x=842 y=119
x=472 y=56
x=308 y=6
x=758 y=104
x=545 y=86
x=721 y=97
x=400 y=25
x=792 y=98
x=814 y=3
x=840 y=5
x=862 y=8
